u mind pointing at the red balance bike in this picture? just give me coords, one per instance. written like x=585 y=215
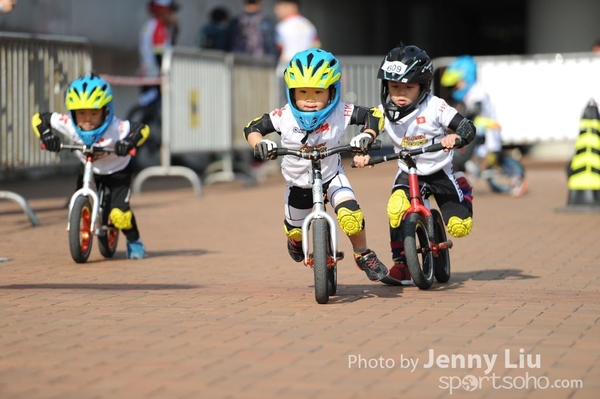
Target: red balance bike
x=426 y=246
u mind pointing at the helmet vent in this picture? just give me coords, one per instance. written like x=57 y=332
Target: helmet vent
x=318 y=66
x=300 y=67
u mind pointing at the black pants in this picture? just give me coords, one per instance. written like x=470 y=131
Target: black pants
x=119 y=185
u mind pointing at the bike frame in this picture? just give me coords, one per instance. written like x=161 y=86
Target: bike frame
x=419 y=204
x=318 y=210
x=89 y=188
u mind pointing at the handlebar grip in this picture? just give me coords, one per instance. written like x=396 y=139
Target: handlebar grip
x=434 y=147
x=375 y=159
x=375 y=145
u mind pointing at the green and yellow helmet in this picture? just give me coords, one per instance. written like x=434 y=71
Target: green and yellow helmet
x=318 y=69
x=90 y=92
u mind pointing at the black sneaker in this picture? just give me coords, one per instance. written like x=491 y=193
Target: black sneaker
x=372 y=266
x=295 y=250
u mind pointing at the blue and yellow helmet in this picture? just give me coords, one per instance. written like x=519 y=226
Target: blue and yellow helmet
x=318 y=69
x=90 y=92
x=462 y=68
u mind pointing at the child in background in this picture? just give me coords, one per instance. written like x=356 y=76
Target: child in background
x=91 y=121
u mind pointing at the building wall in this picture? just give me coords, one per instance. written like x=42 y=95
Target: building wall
x=351 y=27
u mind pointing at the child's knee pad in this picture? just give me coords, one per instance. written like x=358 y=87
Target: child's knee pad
x=121 y=220
x=350 y=217
x=397 y=206
x=295 y=233
x=458 y=227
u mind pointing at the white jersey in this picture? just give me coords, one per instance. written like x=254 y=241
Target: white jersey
x=153 y=41
x=477 y=99
x=296 y=171
x=424 y=126
x=294 y=34
x=105 y=163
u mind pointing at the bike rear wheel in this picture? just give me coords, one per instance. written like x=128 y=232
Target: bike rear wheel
x=81 y=232
x=320 y=269
x=109 y=236
x=419 y=257
x=505 y=175
x=442 y=262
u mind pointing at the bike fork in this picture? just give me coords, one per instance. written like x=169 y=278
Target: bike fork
x=319 y=213
x=86 y=191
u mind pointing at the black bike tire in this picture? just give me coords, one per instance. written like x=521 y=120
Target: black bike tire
x=104 y=243
x=81 y=206
x=442 y=262
x=419 y=259
x=332 y=270
x=320 y=269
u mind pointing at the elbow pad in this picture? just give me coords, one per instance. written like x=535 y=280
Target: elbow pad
x=40 y=123
x=138 y=133
x=466 y=130
x=262 y=125
x=374 y=121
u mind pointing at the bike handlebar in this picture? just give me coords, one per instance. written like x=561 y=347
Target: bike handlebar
x=316 y=153
x=85 y=149
x=93 y=149
x=406 y=155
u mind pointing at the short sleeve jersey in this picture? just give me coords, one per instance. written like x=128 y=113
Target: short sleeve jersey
x=424 y=126
x=104 y=164
x=297 y=171
x=294 y=34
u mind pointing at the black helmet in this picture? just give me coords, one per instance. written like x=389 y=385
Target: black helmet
x=405 y=64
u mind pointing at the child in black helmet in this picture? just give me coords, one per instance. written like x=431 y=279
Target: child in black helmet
x=415 y=118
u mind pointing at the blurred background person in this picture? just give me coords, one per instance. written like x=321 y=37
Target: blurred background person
x=293 y=33
x=215 y=34
x=7 y=6
x=252 y=32
x=157 y=34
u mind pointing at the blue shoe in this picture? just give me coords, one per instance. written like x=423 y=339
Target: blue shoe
x=135 y=249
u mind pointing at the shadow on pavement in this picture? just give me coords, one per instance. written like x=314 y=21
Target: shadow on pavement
x=491 y=274
x=353 y=293
x=105 y=287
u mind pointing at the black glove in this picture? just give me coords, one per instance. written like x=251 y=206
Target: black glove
x=266 y=149
x=51 y=142
x=123 y=147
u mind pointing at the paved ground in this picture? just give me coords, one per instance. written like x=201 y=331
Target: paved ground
x=218 y=310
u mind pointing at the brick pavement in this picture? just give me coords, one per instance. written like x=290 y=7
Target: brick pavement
x=218 y=310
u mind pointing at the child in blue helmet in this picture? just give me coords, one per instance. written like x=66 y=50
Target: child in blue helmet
x=91 y=121
x=475 y=103
x=314 y=117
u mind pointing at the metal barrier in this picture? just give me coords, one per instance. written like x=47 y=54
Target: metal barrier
x=35 y=70
x=208 y=96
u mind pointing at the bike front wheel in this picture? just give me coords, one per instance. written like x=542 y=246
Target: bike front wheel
x=81 y=230
x=442 y=261
x=320 y=269
x=419 y=257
